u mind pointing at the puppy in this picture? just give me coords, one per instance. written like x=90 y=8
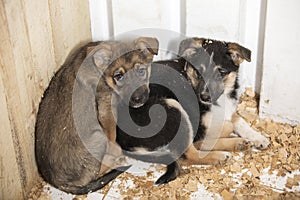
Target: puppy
x=75 y=129
x=174 y=140
x=222 y=96
x=154 y=135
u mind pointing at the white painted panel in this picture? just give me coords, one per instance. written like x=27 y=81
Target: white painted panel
x=281 y=83
x=136 y=14
x=214 y=19
x=101 y=19
x=251 y=34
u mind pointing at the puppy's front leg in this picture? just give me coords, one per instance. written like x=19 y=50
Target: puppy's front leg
x=227 y=129
x=113 y=157
x=112 y=161
x=242 y=128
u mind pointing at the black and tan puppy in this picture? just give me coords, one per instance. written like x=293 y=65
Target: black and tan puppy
x=221 y=95
x=157 y=134
x=211 y=70
x=75 y=129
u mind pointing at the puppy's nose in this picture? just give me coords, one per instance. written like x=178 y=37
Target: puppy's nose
x=136 y=99
x=206 y=97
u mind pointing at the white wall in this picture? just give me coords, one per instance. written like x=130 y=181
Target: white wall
x=213 y=19
x=281 y=74
x=241 y=21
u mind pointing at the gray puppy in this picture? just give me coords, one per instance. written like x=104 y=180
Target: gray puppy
x=75 y=129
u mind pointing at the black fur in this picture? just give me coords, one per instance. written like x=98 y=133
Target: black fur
x=173 y=170
x=158 y=72
x=233 y=94
x=166 y=138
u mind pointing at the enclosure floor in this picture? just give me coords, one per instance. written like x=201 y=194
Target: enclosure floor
x=268 y=174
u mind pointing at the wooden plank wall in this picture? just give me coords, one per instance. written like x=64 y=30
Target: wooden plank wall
x=35 y=38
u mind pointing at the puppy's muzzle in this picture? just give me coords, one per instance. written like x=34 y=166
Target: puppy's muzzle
x=205 y=98
x=208 y=97
x=139 y=97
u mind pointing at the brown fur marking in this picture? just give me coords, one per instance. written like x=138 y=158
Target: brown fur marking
x=195 y=157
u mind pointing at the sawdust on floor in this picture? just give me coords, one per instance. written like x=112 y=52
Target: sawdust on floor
x=269 y=174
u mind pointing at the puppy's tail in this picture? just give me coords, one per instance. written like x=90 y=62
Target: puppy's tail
x=101 y=182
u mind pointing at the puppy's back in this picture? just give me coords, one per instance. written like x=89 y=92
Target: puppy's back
x=55 y=131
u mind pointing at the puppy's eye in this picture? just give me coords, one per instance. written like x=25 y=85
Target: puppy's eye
x=118 y=76
x=223 y=72
x=141 y=71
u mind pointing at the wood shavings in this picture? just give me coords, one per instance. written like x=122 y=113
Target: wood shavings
x=254 y=171
x=291 y=182
x=227 y=195
x=283 y=138
x=37 y=192
x=80 y=197
x=239 y=178
x=236 y=167
x=192 y=185
x=249 y=92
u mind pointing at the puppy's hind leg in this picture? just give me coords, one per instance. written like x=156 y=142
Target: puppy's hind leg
x=224 y=144
x=227 y=129
x=194 y=157
x=166 y=158
x=173 y=170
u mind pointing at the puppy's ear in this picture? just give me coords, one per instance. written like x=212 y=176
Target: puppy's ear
x=239 y=53
x=102 y=57
x=187 y=47
x=89 y=49
x=148 y=45
x=91 y=46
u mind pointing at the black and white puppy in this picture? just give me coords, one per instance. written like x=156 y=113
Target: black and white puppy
x=222 y=96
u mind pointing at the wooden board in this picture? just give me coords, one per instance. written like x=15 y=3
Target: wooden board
x=10 y=185
x=70 y=22
x=36 y=37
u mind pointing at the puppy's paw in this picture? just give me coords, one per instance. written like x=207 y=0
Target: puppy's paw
x=113 y=162
x=114 y=150
x=173 y=170
x=262 y=142
x=121 y=161
x=259 y=141
x=233 y=144
x=224 y=157
x=243 y=145
x=216 y=157
x=245 y=131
